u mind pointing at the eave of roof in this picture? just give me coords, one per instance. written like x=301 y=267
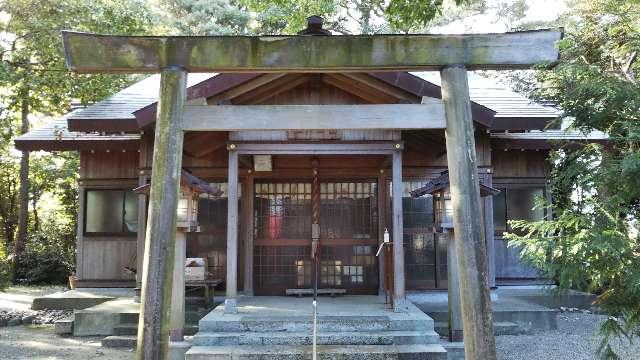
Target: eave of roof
x=544 y=139
x=54 y=136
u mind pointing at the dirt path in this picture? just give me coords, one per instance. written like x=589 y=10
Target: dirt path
x=38 y=342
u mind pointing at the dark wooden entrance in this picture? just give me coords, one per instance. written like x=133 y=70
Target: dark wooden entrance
x=348 y=236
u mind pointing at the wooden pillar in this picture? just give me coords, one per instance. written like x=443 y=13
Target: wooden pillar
x=382 y=224
x=453 y=289
x=80 y=230
x=399 y=299
x=230 y=303
x=489 y=232
x=140 y=237
x=465 y=194
x=247 y=210
x=176 y=329
x=157 y=278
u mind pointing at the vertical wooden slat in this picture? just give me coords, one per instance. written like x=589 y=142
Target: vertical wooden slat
x=157 y=278
x=382 y=224
x=176 y=329
x=488 y=226
x=399 y=299
x=247 y=210
x=232 y=233
x=140 y=237
x=471 y=252
x=80 y=232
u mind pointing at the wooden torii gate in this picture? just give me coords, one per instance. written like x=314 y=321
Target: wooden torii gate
x=175 y=56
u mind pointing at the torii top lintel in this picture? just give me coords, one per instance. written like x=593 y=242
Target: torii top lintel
x=93 y=53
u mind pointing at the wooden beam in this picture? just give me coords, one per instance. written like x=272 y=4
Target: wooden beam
x=359 y=90
x=92 y=53
x=153 y=326
x=315 y=148
x=475 y=300
x=248 y=86
x=381 y=86
x=314 y=117
x=272 y=89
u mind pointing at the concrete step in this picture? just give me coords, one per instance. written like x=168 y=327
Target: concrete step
x=324 y=338
x=325 y=352
x=119 y=341
x=499 y=328
x=325 y=324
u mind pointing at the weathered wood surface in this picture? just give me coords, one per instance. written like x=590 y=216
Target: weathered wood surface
x=429 y=115
x=157 y=278
x=314 y=148
x=232 y=234
x=92 y=53
x=399 y=297
x=247 y=207
x=176 y=327
x=479 y=341
x=453 y=286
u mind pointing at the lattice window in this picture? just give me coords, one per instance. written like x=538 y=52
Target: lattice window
x=348 y=210
x=354 y=274
x=303 y=272
x=331 y=273
x=283 y=210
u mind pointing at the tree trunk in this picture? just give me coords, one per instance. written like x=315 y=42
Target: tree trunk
x=23 y=197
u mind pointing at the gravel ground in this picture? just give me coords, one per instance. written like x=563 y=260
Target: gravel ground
x=38 y=342
x=575 y=339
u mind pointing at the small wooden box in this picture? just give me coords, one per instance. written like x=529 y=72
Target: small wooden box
x=195 y=269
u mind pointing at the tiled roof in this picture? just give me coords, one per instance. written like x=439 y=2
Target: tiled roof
x=124 y=103
x=497 y=97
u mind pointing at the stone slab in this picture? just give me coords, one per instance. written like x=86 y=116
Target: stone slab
x=63 y=327
x=178 y=349
x=325 y=352
x=70 y=300
x=102 y=318
x=455 y=350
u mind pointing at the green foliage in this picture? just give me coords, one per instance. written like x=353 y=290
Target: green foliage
x=206 y=17
x=347 y=16
x=592 y=243
x=49 y=255
x=406 y=15
x=5 y=269
x=34 y=79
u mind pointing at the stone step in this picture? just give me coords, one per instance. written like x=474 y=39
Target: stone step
x=132 y=329
x=190 y=317
x=324 y=338
x=119 y=341
x=325 y=352
x=499 y=328
x=325 y=324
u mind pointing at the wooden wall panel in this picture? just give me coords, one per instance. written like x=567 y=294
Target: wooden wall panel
x=313 y=92
x=520 y=164
x=109 y=165
x=104 y=259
